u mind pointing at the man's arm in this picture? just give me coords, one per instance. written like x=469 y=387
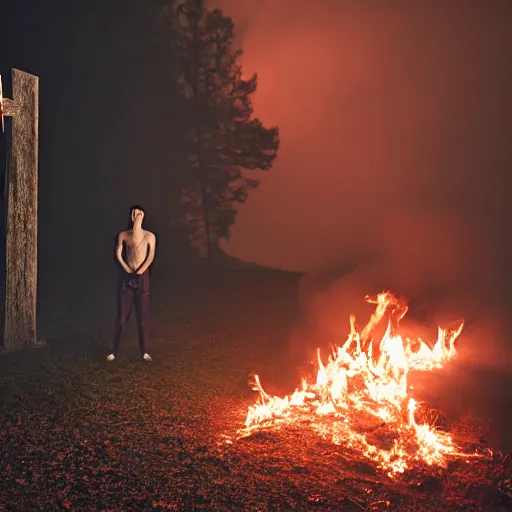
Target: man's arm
x=119 y=254
x=151 y=254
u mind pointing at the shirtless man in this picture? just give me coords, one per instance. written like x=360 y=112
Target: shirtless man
x=134 y=279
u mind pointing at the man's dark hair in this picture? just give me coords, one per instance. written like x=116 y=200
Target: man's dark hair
x=137 y=207
x=134 y=207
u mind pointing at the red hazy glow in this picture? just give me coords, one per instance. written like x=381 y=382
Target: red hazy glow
x=390 y=111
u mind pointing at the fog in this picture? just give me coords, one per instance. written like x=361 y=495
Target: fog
x=388 y=112
x=394 y=169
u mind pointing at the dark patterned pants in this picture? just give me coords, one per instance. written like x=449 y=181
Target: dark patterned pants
x=133 y=290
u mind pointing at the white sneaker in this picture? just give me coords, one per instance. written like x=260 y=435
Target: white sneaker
x=146 y=357
x=111 y=358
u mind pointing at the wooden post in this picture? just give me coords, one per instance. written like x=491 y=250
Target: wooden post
x=21 y=237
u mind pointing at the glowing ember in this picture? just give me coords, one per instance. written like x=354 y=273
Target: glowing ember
x=363 y=389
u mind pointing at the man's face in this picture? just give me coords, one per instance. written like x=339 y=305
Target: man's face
x=136 y=213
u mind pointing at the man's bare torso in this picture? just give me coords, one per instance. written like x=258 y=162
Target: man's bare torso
x=137 y=244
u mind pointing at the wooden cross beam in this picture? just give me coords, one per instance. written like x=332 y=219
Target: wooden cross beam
x=20 y=196
x=8 y=108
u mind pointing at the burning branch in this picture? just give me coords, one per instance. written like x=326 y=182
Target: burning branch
x=358 y=394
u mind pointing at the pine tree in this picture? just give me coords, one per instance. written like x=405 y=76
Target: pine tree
x=225 y=141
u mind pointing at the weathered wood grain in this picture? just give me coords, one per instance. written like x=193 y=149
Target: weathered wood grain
x=21 y=243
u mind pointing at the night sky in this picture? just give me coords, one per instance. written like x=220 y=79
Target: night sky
x=109 y=124
x=394 y=122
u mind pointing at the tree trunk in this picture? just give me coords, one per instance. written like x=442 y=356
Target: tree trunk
x=204 y=194
x=21 y=238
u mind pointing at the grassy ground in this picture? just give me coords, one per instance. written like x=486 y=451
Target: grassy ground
x=80 y=434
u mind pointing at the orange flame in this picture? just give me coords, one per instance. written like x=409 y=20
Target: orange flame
x=358 y=386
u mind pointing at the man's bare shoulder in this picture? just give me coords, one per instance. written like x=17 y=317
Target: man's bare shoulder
x=124 y=234
x=149 y=235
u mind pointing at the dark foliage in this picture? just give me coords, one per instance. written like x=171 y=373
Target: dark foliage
x=224 y=139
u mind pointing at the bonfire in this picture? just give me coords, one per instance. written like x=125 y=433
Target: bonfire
x=361 y=397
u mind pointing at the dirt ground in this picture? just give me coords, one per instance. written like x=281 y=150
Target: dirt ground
x=78 y=434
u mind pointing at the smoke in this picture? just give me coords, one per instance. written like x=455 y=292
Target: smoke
x=385 y=110
x=394 y=165
x=394 y=168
